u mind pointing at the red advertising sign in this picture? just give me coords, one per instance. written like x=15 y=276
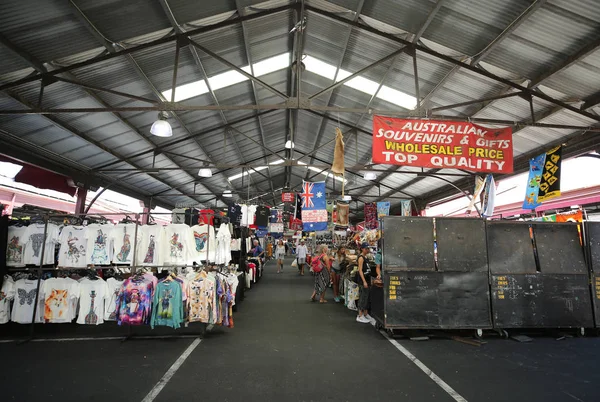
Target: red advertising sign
x=288 y=197
x=442 y=144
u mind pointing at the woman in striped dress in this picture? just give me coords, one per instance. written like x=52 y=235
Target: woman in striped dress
x=322 y=278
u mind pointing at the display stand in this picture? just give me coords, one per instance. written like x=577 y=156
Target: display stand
x=592 y=234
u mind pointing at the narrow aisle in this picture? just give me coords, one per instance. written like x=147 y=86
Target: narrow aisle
x=284 y=347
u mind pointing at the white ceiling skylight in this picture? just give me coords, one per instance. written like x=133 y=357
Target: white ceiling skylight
x=324 y=173
x=229 y=78
x=360 y=83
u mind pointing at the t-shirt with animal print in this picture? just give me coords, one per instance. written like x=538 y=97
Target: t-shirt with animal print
x=73 y=247
x=7 y=293
x=60 y=299
x=15 y=256
x=22 y=310
x=92 y=295
x=34 y=239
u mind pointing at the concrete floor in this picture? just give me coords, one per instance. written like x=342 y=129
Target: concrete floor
x=285 y=348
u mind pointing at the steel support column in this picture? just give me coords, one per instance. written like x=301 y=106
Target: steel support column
x=80 y=202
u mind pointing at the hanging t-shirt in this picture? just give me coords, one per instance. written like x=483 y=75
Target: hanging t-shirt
x=135 y=300
x=151 y=237
x=98 y=244
x=92 y=295
x=59 y=295
x=192 y=216
x=22 y=310
x=179 y=245
x=235 y=214
x=123 y=238
x=167 y=307
x=262 y=216
x=223 y=252
x=73 y=247
x=110 y=304
x=34 y=238
x=15 y=256
x=178 y=215
x=205 y=242
x=206 y=216
x=7 y=293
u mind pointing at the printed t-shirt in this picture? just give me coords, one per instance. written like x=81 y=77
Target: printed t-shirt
x=223 y=252
x=60 y=296
x=179 y=245
x=123 y=237
x=92 y=294
x=15 y=256
x=167 y=307
x=34 y=238
x=151 y=237
x=262 y=216
x=73 y=247
x=25 y=291
x=7 y=293
x=204 y=242
x=134 y=302
x=110 y=303
x=98 y=244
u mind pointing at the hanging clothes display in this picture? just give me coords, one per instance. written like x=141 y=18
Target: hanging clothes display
x=234 y=213
x=25 y=293
x=122 y=236
x=167 y=307
x=148 y=251
x=60 y=299
x=92 y=296
x=34 y=238
x=370 y=215
x=205 y=242
x=7 y=294
x=223 y=252
x=135 y=301
x=98 y=244
x=206 y=217
x=262 y=216
x=15 y=255
x=73 y=247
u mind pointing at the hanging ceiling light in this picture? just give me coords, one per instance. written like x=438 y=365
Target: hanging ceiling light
x=161 y=127
x=289 y=144
x=205 y=171
x=227 y=194
x=369 y=176
x=347 y=198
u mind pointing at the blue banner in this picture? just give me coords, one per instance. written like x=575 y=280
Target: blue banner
x=383 y=209
x=536 y=165
x=314 y=206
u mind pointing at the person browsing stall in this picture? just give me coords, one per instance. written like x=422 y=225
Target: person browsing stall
x=338 y=266
x=363 y=280
x=322 y=276
x=301 y=254
x=257 y=251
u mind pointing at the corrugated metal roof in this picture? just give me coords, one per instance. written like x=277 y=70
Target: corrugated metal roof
x=51 y=32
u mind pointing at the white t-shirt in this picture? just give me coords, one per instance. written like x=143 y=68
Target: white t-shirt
x=34 y=238
x=92 y=294
x=110 y=304
x=205 y=242
x=179 y=245
x=22 y=310
x=60 y=295
x=73 y=247
x=123 y=238
x=152 y=236
x=301 y=251
x=15 y=256
x=99 y=248
x=223 y=255
x=7 y=293
x=248 y=214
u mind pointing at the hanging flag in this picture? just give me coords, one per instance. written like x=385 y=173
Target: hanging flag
x=406 y=206
x=343 y=211
x=550 y=181
x=489 y=197
x=287 y=197
x=383 y=209
x=276 y=227
x=314 y=211
x=536 y=166
x=479 y=183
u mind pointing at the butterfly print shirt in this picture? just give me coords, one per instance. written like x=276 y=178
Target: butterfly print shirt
x=22 y=311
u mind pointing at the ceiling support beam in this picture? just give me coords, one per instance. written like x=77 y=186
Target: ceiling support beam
x=458 y=63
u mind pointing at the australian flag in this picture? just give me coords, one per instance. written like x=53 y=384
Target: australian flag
x=314 y=206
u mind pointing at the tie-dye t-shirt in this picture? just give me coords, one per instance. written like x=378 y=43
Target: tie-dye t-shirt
x=135 y=301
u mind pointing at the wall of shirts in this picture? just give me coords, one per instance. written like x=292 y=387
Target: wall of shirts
x=141 y=299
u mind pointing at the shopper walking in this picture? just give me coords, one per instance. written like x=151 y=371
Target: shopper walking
x=301 y=253
x=363 y=281
x=338 y=266
x=322 y=275
x=279 y=255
